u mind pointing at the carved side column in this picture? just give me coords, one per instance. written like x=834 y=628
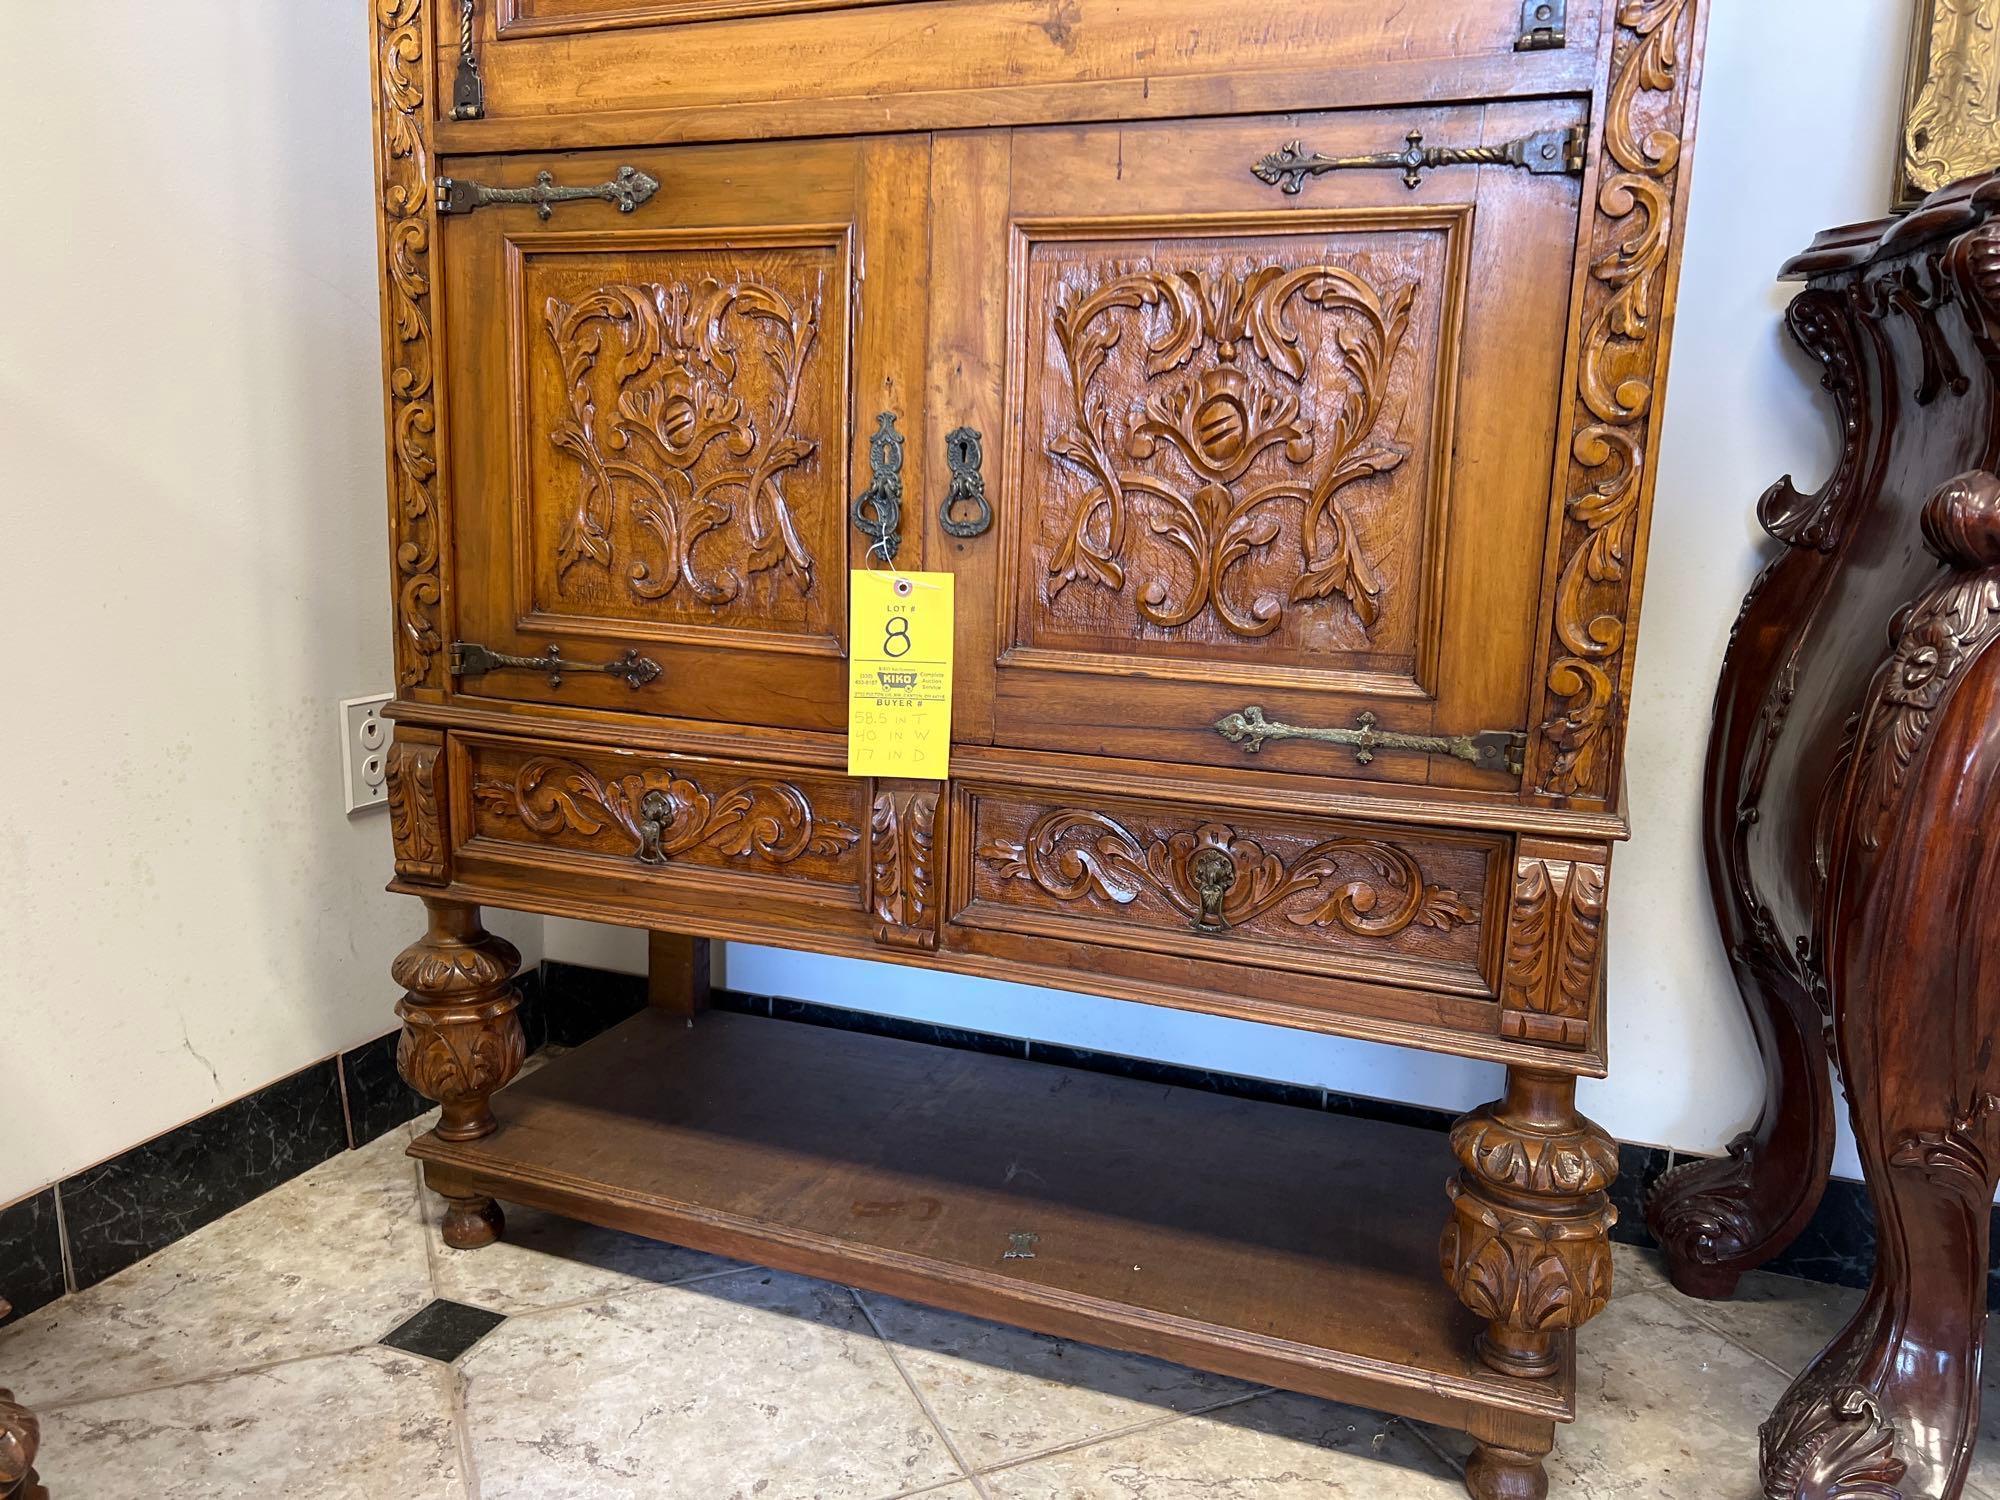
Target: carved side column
x=1891 y=1408
x=462 y=1039
x=1528 y=1247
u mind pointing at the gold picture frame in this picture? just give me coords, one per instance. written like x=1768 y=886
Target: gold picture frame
x=1951 y=102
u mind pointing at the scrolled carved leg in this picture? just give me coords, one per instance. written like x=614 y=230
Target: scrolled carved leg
x=462 y=1039
x=1717 y=1219
x=1528 y=1247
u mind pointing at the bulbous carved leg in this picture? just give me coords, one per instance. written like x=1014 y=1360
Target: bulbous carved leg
x=1528 y=1247
x=1503 y=1474
x=1717 y=1219
x=462 y=1039
x=20 y=1436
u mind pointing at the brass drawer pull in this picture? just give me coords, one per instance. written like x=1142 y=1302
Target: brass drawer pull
x=1490 y=749
x=1214 y=876
x=630 y=188
x=469 y=659
x=964 y=455
x=878 y=510
x=1545 y=153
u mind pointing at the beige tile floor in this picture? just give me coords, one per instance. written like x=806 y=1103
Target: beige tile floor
x=243 y=1362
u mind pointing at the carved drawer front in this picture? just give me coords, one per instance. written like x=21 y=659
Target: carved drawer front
x=1279 y=429
x=1415 y=907
x=670 y=67
x=653 y=392
x=735 y=830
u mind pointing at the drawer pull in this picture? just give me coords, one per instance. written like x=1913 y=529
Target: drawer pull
x=1214 y=876
x=1545 y=153
x=1544 y=26
x=878 y=510
x=965 y=457
x=468 y=90
x=630 y=188
x=469 y=659
x=1490 y=749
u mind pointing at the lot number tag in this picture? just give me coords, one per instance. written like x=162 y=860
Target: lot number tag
x=899 y=674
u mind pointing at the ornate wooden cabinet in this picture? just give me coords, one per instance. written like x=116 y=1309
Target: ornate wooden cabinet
x=1279 y=381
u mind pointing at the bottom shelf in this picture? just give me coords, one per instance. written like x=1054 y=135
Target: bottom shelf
x=1257 y=1240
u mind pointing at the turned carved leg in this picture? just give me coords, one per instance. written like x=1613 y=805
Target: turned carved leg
x=461 y=1041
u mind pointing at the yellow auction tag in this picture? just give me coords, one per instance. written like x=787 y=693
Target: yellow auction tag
x=899 y=674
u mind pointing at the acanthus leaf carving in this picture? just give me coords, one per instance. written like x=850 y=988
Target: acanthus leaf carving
x=1937 y=640
x=683 y=447
x=1365 y=886
x=902 y=873
x=402 y=159
x=1214 y=426
x=416 y=826
x=666 y=813
x=1555 y=946
x=1618 y=368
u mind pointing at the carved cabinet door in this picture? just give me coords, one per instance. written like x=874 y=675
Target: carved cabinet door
x=666 y=364
x=1273 y=444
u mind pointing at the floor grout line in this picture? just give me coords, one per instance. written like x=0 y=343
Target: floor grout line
x=461 y=1427
x=970 y=1474
x=46 y=1408
x=1165 y=1419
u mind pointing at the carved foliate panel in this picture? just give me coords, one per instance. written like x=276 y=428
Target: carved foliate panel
x=416 y=820
x=686 y=437
x=686 y=813
x=1229 y=444
x=1555 y=949
x=403 y=170
x=905 y=885
x=1607 y=479
x=1172 y=876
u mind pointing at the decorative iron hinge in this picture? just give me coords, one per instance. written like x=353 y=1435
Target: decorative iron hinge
x=1544 y=25
x=1545 y=153
x=1490 y=749
x=469 y=659
x=878 y=510
x=468 y=92
x=628 y=190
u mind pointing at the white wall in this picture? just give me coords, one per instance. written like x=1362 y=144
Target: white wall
x=1798 y=120
x=191 y=514
x=192 y=519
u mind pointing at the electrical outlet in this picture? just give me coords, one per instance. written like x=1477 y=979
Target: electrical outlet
x=364 y=751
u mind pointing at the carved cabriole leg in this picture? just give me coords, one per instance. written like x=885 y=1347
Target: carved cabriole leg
x=1528 y=1247
x=1891 y=1407
x=462 y=1038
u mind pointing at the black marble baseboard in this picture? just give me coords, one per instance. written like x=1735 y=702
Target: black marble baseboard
x=79 y=1231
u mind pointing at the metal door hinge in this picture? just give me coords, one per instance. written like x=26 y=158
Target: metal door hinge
x=628 y=190
x=468 y=91
x=1544 y=26
x=469 y=659
x=878 y=510
x=1490 y=749
x=1545 y=153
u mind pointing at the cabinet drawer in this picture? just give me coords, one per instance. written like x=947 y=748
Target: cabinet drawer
x=1408 y=906
x=726 y=826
